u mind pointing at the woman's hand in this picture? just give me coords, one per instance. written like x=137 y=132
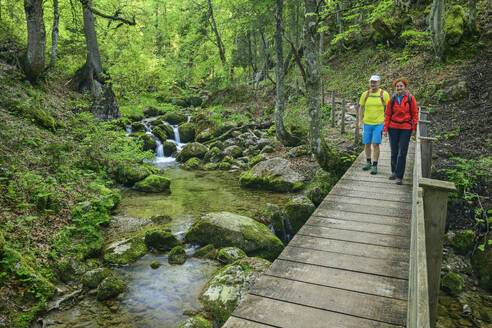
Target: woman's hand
x=414 y=133
x=360 y=124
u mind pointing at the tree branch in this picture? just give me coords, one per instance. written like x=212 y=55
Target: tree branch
x=297 y=57
x=114 y=17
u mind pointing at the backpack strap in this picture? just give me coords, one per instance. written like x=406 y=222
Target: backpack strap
x=382 y=98
x=367 y=96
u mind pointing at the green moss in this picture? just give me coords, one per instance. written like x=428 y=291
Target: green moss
x=256 y=159
x=125 y=253
x=177 y=255
x=109 y=288
x=455 y=25
x=192 y=163
x=174 y=118
x=40 y=117
x=214 y=155
x=464 y=241
x=230 y=254
x=161 y=240
x=193 y=149
x=186 y=132
x=153 y=183
x=91 y=279
x=210 y=166
x=195 y=322
x=268 y=182
x=128 y=174
x=155 y=264
x=298 y=210
x=169 y=148
x=224 y=165
x=453 y=283
x=482 y=265
x=207 y=251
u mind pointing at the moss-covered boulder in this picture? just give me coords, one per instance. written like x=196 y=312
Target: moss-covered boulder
x=192 y=163
x=193 y=149
x=463 y=241
x=137 y=127
x=163 y=132
x=110 y=287
x=175 y=118
x=210 y=166
x=256 y=159
x=272 y=215
x=195 y=322
x=315 y=194
x=207 y=251
x=153 y=183
x=125 y=251
x=148 y=143
x=267 y=149
x=233 y=151
x=214 y=155
x=452 y=283
x=161 y=240
x=177 y=255
x=186 y=132
x=41 y=117
x=455 y=25
x=136 y=117
x=228 y=255
x=482 y=265
x=227 y=229
x=228 y=286
x=152 y=111
x=298 y=210
x=169 y=148
x=128 y=174
x=224 y=165
x=155 y=264
x=91 y=279
x=273 y=174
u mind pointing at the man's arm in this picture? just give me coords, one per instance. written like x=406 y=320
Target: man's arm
x=361 y=116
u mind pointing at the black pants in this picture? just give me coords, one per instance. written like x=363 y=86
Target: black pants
x=399 y=140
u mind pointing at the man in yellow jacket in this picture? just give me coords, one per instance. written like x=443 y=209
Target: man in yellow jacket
x=371 y=119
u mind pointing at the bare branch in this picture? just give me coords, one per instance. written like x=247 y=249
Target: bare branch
x=114 y=17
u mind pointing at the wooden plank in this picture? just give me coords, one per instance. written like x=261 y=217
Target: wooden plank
x=382 y=194
x=365 y=306
x=235 y=322
x=355 y=236
x=373 y=187
x=382 y=267
x=361 y=217
x=379 y=229
x=342 y=279
x=351 y=248
x=289 y=315
x=379 y=178
x=340 y=206
x=367 y=202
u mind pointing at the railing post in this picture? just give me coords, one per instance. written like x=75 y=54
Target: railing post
x=333 y=109
x=356 y=132
x=343 y=116
x=435 y=209
x=426 y=153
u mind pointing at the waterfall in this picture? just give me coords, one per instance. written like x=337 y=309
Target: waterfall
x=128 y=129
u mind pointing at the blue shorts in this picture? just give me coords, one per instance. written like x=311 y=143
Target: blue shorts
x=372 y=133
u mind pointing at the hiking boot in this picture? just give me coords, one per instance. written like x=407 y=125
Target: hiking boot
x=392 y=176
x=399 y=182
x=367 y=166
x=374 y=170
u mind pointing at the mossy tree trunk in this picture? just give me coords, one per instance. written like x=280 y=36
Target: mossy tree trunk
x=36 y=39
x=282 y=134
x=472 y=18
x=54 y=34
x=220 y=45
x=324 y=155
x=437 y=29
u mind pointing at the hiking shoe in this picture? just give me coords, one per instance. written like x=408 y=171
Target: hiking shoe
x=392 y=176
x=399 y=182
x=374 y=170
x=367 y=166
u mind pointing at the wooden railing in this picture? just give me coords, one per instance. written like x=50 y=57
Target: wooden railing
x=429 y=207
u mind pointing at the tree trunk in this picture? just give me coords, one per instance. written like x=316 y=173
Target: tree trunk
x=320 y=149
x=436 y=24
x=472 y=18
x=217 y=36
x=54 y=33
x=282 y=135
x=36 y=39
x=340 y=24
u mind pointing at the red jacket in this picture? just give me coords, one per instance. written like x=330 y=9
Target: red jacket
x=402 y=116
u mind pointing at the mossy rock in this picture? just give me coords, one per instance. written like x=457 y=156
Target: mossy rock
x=315 y=194
x=177 y=255
x=152 y=111
x=272 y=215
x=163 y=132
x=463 y=241
x=41 y=117
x=267 y=149
x=298 y=210
x=455 y=25
x=91 y=279
x=193 y=149
x=110 y=287
x=210 y=166
x=225 y=229
x=207 y=251
x=229 y=285
x=256 y=159
x=128 y=174
x=186 y=132
x=153 y=183
x=452 y=283
x=160 y=240
x=233 y=151
x=325 y=180
x=195 y=322
x=125 y=251
x=169 y=148
x=274 y=174
x=138 y=127
x=136 y=117
x=175 y=118
x=2 y=243
x=224 y=165
x=148 y=143
x=192 y=163
x=228 y=255
x=482 y=265
x=214 y=155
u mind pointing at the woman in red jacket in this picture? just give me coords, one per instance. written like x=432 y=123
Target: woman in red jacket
x=400 y=123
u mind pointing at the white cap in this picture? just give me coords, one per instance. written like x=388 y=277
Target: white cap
x=375 y=78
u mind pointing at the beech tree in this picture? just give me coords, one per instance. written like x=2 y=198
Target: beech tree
x=36 y=39
x=436 y=25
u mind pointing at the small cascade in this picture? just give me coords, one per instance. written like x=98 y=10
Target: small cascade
x=287 y=229
x=177 y=139
x=128 y=129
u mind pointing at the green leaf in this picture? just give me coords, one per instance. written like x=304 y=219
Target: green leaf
x=481 y=247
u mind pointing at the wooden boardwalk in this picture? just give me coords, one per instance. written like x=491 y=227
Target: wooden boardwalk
x=348 y=265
